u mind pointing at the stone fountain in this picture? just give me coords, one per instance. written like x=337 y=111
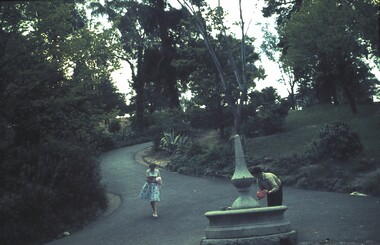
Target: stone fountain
x=246 y=222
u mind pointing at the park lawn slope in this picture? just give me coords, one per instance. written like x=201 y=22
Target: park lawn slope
x=302 y=127
x=280 y=152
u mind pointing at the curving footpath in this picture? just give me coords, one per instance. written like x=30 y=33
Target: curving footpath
x=318 y=217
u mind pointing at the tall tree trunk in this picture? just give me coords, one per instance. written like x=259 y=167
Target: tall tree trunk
x=138 y=85
x=351 y=100
x=346 y=82
x=168 y=53
x=139 y=89
x=334 y=95
x=292 y=96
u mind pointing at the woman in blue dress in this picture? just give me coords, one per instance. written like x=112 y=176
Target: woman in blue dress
x=152 y=188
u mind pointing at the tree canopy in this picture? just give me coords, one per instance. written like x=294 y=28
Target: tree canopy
x=55 y=91
x=328 y=45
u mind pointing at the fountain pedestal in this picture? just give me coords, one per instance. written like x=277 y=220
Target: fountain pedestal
x=246 y=222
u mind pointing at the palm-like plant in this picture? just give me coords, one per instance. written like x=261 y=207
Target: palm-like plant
x=171 y=141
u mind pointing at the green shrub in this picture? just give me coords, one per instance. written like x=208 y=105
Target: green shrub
x=267 y=121
x=114 y=126
x=265 y=114
x=186 y=159
x=219 y=157
x=365 y=165
x=337 y=141
x=171 y=120
x=210 y=118
x=105 y=142
x=47 y=189
x=167 y=121
x=192 y=159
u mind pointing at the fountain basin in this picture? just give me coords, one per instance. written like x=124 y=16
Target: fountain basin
x=247 y=222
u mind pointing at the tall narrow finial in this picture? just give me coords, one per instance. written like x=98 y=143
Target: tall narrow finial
x=242 y=179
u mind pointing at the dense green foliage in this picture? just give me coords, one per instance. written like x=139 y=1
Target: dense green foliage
x=55 y=91
x=148 y=37
x=266 y=113
x=333 y=53
x=193 y=159
x=169 y=121
x=338 y=141
x=328 y=46
x=114 y=126
x=233 y=59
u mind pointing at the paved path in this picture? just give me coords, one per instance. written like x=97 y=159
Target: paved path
x=316 y=216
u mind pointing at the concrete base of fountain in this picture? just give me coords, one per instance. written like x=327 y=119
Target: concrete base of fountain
x=288 y=238
x=265 y=225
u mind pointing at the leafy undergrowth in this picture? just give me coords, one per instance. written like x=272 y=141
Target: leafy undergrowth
x=286 y=153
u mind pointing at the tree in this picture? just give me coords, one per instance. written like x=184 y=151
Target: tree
x=197 y=68
x=265 y=112
x=288 y=74
x=148 y=38
x=53 y=68
x=282 y=9
x=326 y=39
x=127 y=19
x=235 y=89
x=167 y=22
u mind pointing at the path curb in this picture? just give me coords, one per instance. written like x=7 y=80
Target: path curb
x=113 y=202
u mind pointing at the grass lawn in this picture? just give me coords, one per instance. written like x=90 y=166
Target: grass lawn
x=302 y=127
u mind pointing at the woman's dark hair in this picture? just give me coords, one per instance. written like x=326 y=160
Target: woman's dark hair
x=152 y=166
x=257 y=170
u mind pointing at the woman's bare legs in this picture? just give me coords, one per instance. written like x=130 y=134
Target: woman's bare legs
x=154 y=207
